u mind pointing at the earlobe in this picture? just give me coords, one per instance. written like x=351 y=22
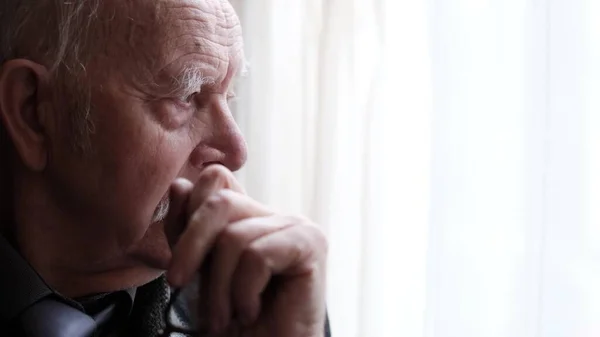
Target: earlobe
x=23 y=110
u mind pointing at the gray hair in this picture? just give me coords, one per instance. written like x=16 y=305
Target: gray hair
x=53 y=33
x=60 y=27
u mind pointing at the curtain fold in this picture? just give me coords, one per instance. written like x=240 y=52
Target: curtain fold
x=449 y=148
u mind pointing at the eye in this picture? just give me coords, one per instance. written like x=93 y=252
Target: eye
x=188 y=99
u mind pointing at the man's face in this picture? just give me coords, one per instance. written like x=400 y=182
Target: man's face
x=159 y=91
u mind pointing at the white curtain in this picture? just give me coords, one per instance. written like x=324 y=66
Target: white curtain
x=449 y=148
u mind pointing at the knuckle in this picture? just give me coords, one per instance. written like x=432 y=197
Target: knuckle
x=221 y=200
x=209 y=175
x=322 y=241
x=217 y=173
x=252 y=256
x=313 y=234
x=319 y=239
x=310 y=234
x=229 y=238
x=298 y=219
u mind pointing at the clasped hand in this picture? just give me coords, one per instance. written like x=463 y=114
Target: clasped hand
x=262 y=273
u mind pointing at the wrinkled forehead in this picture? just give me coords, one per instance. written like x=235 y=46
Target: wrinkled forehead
x=205 y=32
x=163 y=34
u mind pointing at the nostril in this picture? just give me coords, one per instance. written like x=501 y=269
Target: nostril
x=203 y=156
x=229 y=150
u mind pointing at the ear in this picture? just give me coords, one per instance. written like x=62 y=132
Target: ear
x=25 y=110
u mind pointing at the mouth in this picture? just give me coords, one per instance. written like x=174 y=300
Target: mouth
x=161 y=211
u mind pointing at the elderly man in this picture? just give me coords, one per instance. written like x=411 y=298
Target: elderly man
x=117 y=151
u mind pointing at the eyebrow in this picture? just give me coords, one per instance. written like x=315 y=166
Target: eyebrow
x=192 y=78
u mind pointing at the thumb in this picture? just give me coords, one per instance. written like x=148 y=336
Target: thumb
x=176 y=219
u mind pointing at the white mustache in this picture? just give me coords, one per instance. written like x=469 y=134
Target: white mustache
x=161 y=211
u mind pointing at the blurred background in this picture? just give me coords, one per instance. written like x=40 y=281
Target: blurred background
x=449 y=148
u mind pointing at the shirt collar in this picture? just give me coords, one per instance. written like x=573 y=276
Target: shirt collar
x=20 y=285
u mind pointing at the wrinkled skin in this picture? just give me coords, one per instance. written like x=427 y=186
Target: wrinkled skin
x=92 y=222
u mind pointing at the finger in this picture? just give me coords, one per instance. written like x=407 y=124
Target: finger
x=205 y=224
x=213 y=178
x=203 y=295
x=229 y=247
x=193 y=244
x=294 y=252
x=249 y=282
x=175 y=221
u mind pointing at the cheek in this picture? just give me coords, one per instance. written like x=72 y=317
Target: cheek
x=144 y=161
x=147 y=176
x=139 y=157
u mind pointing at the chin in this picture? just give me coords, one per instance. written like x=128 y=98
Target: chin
x=153 y=250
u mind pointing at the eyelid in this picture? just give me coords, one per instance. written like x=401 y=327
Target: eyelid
x=189 y=94
x=187 y=98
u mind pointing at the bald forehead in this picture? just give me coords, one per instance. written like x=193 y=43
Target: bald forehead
x=163 y=34
x=201 y=26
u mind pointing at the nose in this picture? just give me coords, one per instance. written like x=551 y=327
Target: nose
x=224 y=142
x=232 y=146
